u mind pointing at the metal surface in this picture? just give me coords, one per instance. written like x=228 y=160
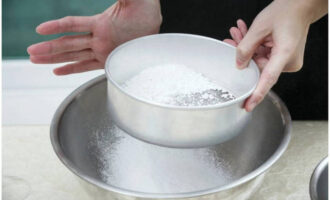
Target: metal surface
x=84 y=115
x=319 y=181
x=174 y=126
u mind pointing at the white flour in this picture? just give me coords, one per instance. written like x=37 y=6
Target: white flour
x=135 y=165
x=176 y=85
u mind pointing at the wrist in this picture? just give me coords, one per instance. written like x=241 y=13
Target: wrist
x=153 y=3
x=312 y=10
x=149 y=7
x=309 y=10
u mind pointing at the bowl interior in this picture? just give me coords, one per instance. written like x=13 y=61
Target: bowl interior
x=319 y=181
x=210 y=57
x=85 y=139
x=322 y=184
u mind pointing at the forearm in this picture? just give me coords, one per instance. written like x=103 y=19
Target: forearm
x=147 y=11
x=154 y=4
x=311 y=10
x=318 y=8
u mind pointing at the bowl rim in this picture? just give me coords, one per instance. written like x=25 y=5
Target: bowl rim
x=55 y=141
x=167 y=106
x=315 y=178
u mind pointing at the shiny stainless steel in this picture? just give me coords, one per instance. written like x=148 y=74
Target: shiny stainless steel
x=176 y=126
x=318 y=186
x=84 y=113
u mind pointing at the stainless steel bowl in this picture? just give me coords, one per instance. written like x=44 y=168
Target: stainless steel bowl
x=318 y=186
x=175 y=126
x=82 y=133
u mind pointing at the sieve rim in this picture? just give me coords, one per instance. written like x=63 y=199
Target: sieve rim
x=176 y=107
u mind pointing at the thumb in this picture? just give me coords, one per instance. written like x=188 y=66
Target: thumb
x=247 y=47
x=268 y=78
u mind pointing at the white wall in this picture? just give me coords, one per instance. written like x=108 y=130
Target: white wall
x=31 y=93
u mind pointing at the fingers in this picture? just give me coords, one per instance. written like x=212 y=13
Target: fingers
x=236 y=34
x=261 y=61
x=66 y=24
x=78 y=67
x=61 y=45
x=249 y=44
x=63 y=57
x=242 y=27
x=268 y=78
x=269 y=44
x=231 y=42
x=262 y=50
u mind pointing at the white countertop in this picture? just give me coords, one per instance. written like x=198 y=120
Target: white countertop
x=31 y=170
x=31 y=93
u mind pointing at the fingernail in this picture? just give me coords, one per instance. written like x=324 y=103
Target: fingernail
x=239 y=64
x=38 y=49
x=33 y=59
x=56 y=71
x=252 y=106
x=29 y=49
x=231 y=31
x=39 y=27
x=32 y=49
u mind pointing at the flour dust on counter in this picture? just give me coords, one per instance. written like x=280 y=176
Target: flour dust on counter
x=176 y=85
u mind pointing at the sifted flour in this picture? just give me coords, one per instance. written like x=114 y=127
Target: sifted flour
x=135 y=165
x=176 y=85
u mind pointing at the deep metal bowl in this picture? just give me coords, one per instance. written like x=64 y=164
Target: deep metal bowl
x=176 y=126
x=318 y=186
x=82 y=133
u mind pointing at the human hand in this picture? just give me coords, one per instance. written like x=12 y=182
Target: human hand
x=123 y=21
x=276 y=41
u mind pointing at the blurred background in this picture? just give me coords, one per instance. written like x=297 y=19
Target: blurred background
x=20 y=18
x=32 y=93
